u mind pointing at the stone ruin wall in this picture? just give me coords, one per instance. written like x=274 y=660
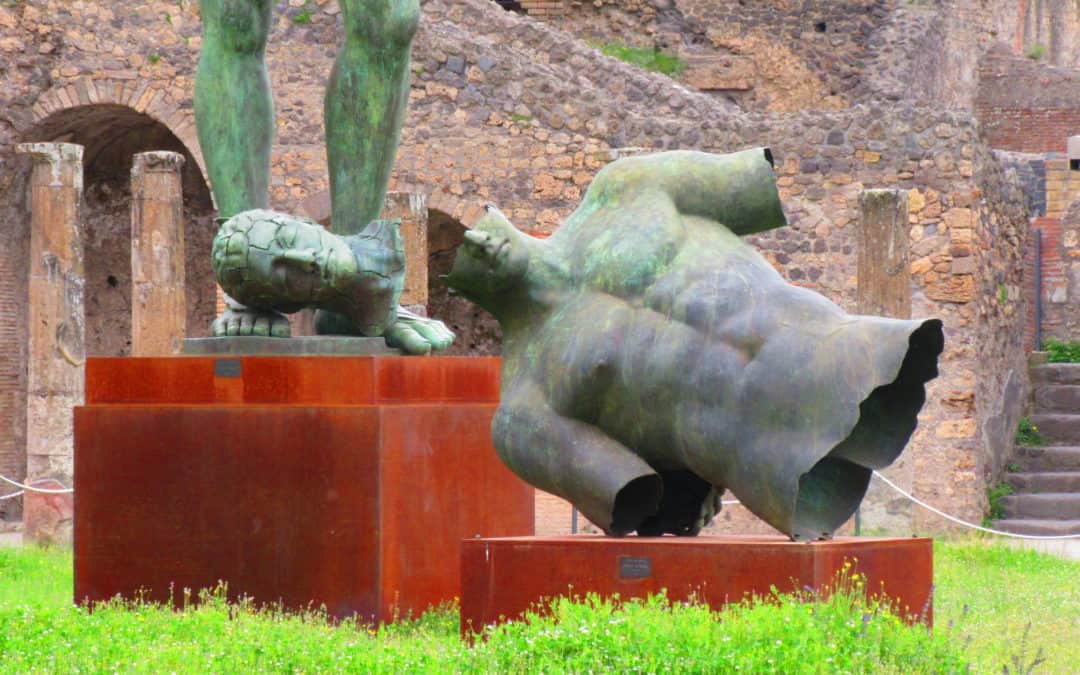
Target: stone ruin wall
x=1025 y=105
x=1028 y=109
x=525 y=122
x=1054 y=24
x=778 y=56
x=1067 y=326
x=785 y=55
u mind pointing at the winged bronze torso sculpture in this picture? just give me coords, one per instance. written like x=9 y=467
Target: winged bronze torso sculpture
x=652 y=359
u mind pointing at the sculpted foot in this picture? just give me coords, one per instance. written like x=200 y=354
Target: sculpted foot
x=240 y=320
x=415 y=334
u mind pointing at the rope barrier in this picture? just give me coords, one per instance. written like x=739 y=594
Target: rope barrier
x=30 y=488
x=727 y=502
x=1043 y=537
x=1001 y=533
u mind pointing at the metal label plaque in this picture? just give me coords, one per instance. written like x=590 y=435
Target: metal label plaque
x=227 y=368
x=634 y=568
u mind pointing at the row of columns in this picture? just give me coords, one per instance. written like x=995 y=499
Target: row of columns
x=56 y=283
x=56 y=310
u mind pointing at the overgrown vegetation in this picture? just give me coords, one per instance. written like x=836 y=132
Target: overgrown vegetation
x=1059 y=351
x=1036 y=51
x=1028 y=434
x=995 y=510
x=303 y=17
x=985 y=596
x=652 y=60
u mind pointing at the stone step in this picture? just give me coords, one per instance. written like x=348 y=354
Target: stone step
x=1058 y=429
x=1056 y=373
x=1045 y=481
x=1038 y=526
x=1057 y=398
x=1051 y=505
x=1055 y=459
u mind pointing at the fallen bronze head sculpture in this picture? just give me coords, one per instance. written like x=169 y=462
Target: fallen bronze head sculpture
x=652 y=359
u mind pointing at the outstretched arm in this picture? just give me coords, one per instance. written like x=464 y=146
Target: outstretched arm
x=606 y=481
x=737 y=190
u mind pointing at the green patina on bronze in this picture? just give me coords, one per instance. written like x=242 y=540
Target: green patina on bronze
x=234 y=111
x=270 y=263
x=365 y=106
x=652 y=359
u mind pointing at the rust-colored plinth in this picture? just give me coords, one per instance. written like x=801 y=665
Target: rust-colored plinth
x=502 y=578
x=339 y=481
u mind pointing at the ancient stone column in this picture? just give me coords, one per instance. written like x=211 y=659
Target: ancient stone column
x=884 y=289
x=56 y=332
x=411 y=207
x=884 y=283
x=158 y=301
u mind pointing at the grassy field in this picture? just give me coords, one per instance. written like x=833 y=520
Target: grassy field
x=985 y=598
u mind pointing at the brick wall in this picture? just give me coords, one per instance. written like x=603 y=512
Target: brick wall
x=1025 y=105
x=1060 y=275
x=1052 y=279
x=14 y=250
x=544 y=8
x=1026 y=130
x=1062 y=185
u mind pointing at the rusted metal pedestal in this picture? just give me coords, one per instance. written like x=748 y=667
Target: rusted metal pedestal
x=347 y=482
x=502 y=578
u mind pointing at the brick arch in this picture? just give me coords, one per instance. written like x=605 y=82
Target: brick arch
x=115 y=119
x=142 y=97
x=466 y=209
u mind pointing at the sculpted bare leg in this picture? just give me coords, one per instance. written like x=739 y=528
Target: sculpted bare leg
x=271 y=264
x=234 y=114
x=364 y=109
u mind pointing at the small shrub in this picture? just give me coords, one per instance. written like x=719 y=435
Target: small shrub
x=652 y=60
x=524 y=119
x=1028 y=434
x=303 y=17
x=1036 y=51
x=995 y=510
x=154 y=58
x=1061 y=351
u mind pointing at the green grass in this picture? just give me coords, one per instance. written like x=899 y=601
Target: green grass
x=990 y=594
x=1061 y=351
x=652 y=60
x=985 y=596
